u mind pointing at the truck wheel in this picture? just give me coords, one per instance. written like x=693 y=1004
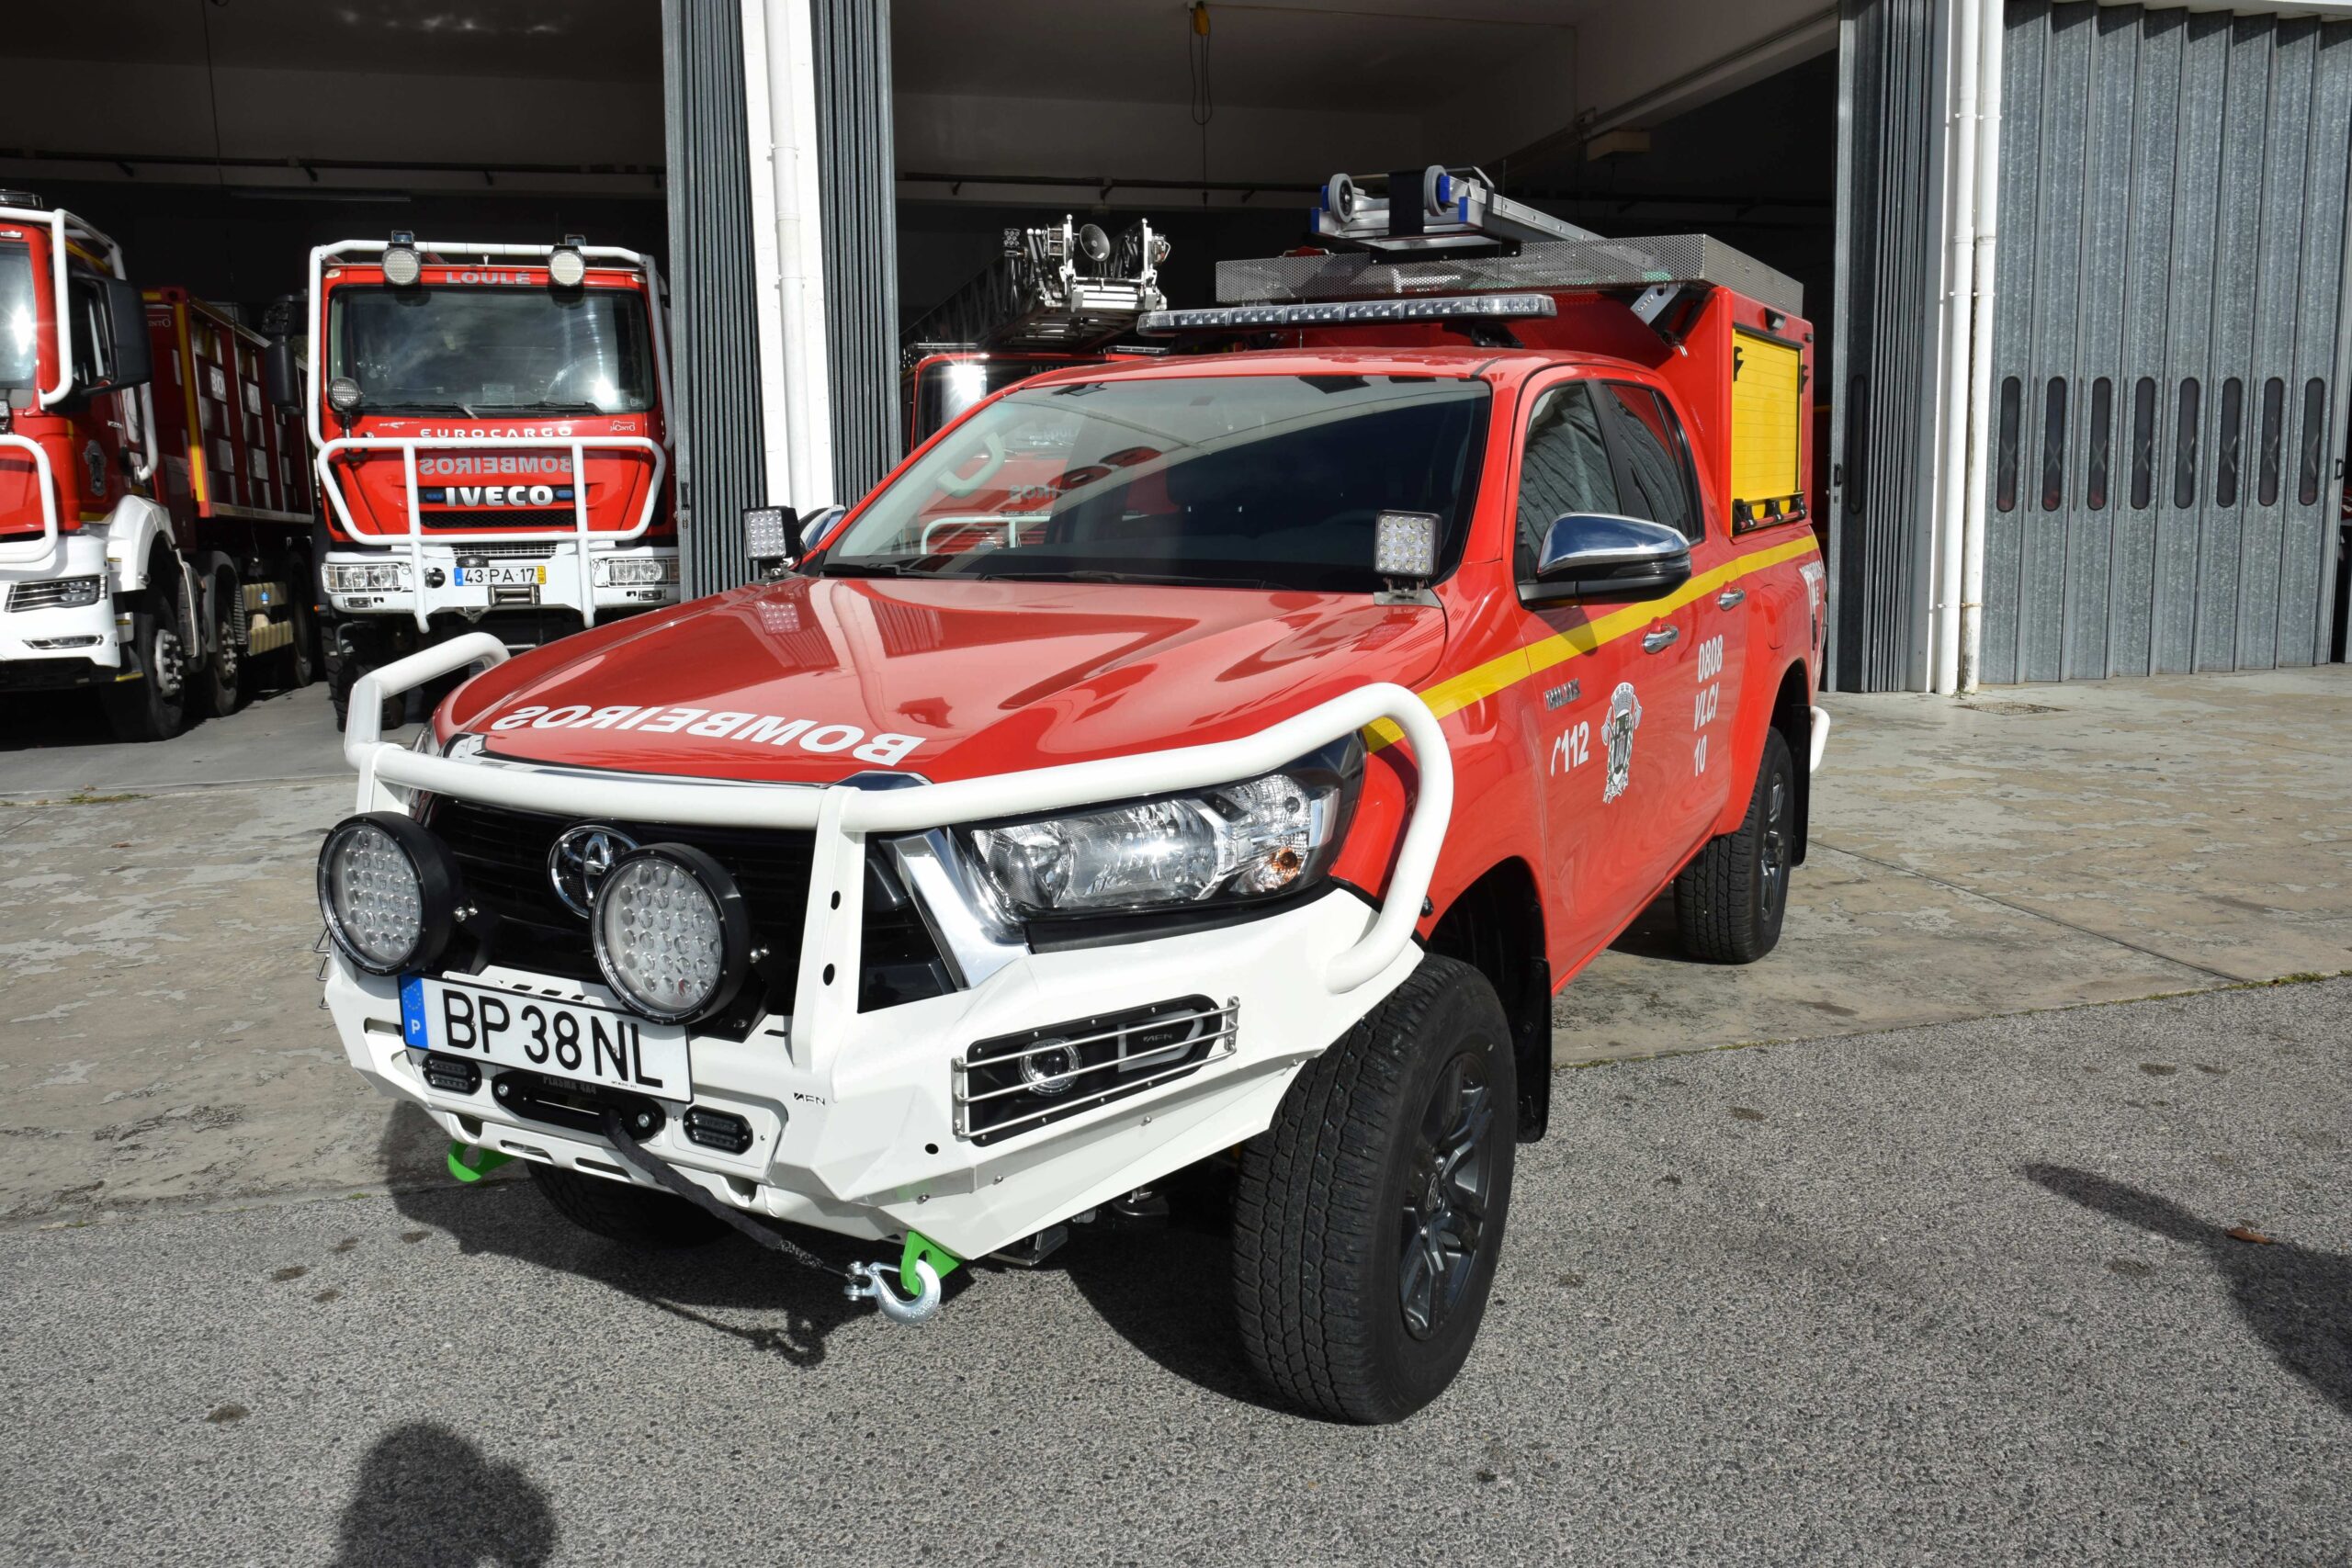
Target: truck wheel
x=154 y=707
x=220 y=675
x=302 y=654
x=1367 y=1220
x=346 y=675
x=1731 y=899
x=637 y=1217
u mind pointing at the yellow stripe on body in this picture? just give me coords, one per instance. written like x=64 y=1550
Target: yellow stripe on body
x=1451 y=697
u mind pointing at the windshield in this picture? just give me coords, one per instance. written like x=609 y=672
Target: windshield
x=1267 y=481
x=19 y=321
x=945 y=389
x=486 y=350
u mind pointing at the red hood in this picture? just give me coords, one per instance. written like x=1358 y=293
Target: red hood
x=949 y=680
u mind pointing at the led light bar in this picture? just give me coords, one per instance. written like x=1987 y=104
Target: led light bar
x=1424 y=308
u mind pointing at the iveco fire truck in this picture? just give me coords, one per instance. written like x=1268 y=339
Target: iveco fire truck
x=154 y=511
x=1058 y=294
x=1211 y=759
x=489 y=423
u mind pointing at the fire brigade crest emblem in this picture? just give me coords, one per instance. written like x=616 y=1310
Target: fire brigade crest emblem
x=1617 y=734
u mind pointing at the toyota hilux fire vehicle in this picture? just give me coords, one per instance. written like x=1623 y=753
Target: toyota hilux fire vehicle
x=1217 y=760
x=489 y=429
x=154 y=514
x=1060 y=294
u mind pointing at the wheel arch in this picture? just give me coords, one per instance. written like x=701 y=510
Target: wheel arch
x=1792 y=716
x=139 y=546
x=1496 y=926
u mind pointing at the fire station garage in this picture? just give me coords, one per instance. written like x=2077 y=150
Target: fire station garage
x=2078 y=271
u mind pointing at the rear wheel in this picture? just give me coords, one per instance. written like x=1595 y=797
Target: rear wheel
x=303 y=655
x=1368 y=1219
x=637 y=1217
x=220 y=675
x=154 y=705
x=1730 y=901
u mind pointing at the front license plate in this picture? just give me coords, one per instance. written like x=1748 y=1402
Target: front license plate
x=567 y=1039
x=502 y=575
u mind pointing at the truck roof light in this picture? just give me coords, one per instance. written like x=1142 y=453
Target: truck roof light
x=565 y=267
x=1338 y=312
x=401 y=266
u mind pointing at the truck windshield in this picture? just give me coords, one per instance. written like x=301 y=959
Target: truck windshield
x=946 y=387
x=1252 y=480
x=493 y=351
x=19 y=319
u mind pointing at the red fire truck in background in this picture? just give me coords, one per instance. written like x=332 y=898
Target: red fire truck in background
x=1058 y=296
x=155 y=515
x=489 y=423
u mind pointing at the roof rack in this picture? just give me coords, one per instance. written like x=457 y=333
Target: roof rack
x=1063 y=286
x=1655 y=265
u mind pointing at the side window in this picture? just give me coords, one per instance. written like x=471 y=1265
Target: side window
x=1564 y=468
x=1657 y=479
x=92 y=343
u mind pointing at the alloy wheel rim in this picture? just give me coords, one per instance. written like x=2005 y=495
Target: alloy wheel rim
x=1776 y=843
x=1447 y=1189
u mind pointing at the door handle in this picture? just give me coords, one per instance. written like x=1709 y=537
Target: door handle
x=1731 y=598
x=1661 y=639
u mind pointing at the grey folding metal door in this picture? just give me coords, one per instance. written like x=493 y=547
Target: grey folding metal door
x=1882 y=391
x=2169 y=393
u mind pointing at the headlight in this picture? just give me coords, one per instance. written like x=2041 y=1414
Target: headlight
x=671 y=934
x=366 y=577
x=388 y=891
x=636 y=571
x=66 y=593
x=1252 y=839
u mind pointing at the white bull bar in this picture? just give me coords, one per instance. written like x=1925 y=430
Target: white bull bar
x=842 y=817
x=416 y=538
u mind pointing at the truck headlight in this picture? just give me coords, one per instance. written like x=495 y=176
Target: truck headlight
x=670 y=932
x=364 y=576
x=1252 y=839
x=388 y=892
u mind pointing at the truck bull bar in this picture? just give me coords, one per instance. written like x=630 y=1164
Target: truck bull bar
x=842 y=816
x=24 y=552
x=594 y=255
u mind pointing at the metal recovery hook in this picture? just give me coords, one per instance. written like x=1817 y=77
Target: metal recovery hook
x=863 y=1280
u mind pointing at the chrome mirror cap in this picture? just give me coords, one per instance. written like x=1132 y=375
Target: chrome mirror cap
x=1592 y=554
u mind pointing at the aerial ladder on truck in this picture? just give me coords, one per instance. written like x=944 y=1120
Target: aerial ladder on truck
x=489 y=430
x=1059 y=294
x=154 y=511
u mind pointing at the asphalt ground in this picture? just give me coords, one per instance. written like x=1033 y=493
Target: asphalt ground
x=1959 y=1294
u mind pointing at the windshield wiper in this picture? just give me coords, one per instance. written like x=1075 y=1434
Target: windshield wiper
x=867 y=568
x=1139 y=579
x=545 y=405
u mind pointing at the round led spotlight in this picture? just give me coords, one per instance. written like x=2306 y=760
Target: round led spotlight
x=565 y=268
x=388 y=892
x=1050 y=1071
x=670 y=932
x=401 y=266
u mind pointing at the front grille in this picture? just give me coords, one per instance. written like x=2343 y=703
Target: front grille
x=520 y=549
x=1017 y=1083
x=52 y=593
x=551 y=517
x=503 y=856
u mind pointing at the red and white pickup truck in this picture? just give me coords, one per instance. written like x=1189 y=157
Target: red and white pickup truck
x=1223 y=756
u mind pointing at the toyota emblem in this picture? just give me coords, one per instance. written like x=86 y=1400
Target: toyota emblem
x=580 y=862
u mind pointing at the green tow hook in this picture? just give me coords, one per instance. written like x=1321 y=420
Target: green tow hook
x=921 y=1267
x=471 y=1162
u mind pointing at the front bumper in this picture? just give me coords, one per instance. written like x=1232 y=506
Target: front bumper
x=561 y=590
x=854 y=1113
x=58 y=647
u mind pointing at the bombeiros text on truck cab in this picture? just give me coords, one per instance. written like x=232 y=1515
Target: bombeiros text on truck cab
x=1213 y=759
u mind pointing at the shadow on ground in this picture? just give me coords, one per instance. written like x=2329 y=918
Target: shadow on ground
x=508 y=1218
x=2297 y=1299
x=426 y=1497
x=1654 y=933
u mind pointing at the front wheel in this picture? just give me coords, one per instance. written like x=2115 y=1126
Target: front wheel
x=152 y=706
x=1368 y=1219
x=1730 y=901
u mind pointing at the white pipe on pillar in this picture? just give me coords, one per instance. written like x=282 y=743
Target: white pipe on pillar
x=1953 y=408
x=795 y=395
x=1981 y=412
x=767 y=308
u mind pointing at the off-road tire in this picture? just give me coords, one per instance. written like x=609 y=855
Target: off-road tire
x=637 y=1217
x=302 y=653
x=154 y=707
x=1730 y=901
x=217 y=680
x=1320 y=1217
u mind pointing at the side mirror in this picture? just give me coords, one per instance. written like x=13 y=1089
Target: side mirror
x=772 y=536
x=281 y=380
x=131 y=360
x=1594 y=556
